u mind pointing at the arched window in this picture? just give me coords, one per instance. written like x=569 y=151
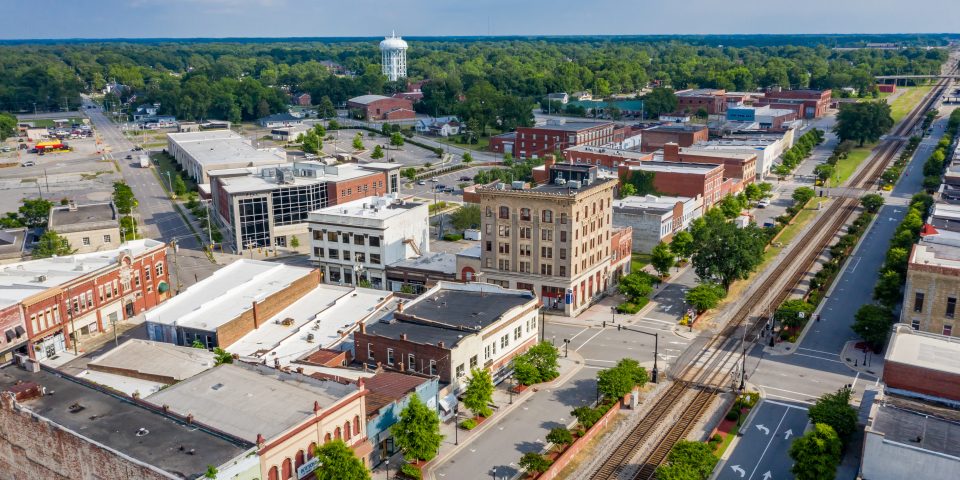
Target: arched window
x=356 y=424
x=346 y=431
x=505 y=212
x=337 y=434
x=326 y=438
x=312 y=450
x=525 y=214
x=287 y=469
x=299 y=459
x=274 y=474
x=546 y=216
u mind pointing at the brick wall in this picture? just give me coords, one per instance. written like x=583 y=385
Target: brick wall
x=655 y=139
x=363 y=187
x=231 y=331
x=401 y=348
x=921 y=380
x=564 y=459
x=39 y=449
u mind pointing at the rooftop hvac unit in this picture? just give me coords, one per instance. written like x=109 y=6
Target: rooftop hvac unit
x=573 y=184
x=518 y=185
x=499 y=186
x=560 y=181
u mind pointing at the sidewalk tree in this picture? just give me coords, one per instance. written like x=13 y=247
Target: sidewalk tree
x=541 y=363
x=682 y=244
x=534 y=463
x=816 y=455
x=50 y=244
x=824 y=171
x=396 y=140
x=662 y=259
x=753 y=192
x=688 y=460
x=123 y=198
x=793 y=313
x=586 y=416
x=802 y=195
x=479 y=393
x=724 y=252
x=731 y=206
x=467 y=157
x=358 y=141
x=560 y=437
x=834 y=409
x=179 y=186
x=872 y=323
x=636 y=285
x=614 y=383
x=872 y=202
x=863 y=121
x=705 y=296
x=887 y=289
x=377 y=153
x=338 y=462
x=417 y=432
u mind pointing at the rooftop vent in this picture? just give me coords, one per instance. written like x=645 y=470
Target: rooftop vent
x=574 y=184
x=142 y=432
x=217 y=386
x=560 y=181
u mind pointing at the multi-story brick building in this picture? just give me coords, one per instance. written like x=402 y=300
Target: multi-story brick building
x=807 y=103
x=736 y=165
x=932 y=288
x=552 y=239
x=556 y=136
x=690 y=180
x=621 y=251
x=606 y=157
x=711 y=100
x=64 y=299
x=654 y=138
x=452 y=329
x=266 y=207
x=378 y=107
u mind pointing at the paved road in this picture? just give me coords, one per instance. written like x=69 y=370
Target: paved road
x=761 y=453
x=157 y=214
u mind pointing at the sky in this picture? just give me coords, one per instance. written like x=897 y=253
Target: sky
x=46 y=19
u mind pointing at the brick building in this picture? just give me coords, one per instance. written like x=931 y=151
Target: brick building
x=378 y=107
x=681 y=179
x=621 y=251
x=555 y=136
x=552 y=239
x=807 y=103
x=654 y=138
x=932 y=288
x=923 y=365
x=267 y=206
x=606 y=157
x=478 y=326
x=655 y=219
x=736 y=165
x=69 y=298
x=712 y=100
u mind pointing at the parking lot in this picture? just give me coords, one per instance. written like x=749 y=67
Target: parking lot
x=454 y=180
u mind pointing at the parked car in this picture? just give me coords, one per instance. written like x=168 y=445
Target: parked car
x=466 y=178
x=28 y=163
x=434 y=180
x=763 y=203
x=421 y=182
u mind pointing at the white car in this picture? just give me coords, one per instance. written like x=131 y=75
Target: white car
x=421 y=182
x=763 y=203
x=435 y=180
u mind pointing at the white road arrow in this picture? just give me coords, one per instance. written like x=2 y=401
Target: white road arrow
x=786 y=435
x=737 y=469
x=765 y=430
x=766 y=476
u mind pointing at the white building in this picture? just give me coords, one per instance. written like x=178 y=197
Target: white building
x=367 y=234
x=200 y=152
x=655 y=219
x=394 y=52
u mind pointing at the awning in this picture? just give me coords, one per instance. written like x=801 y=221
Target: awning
x=163 y=287
x=20 y=331
x=10 y=335
x=449 y=403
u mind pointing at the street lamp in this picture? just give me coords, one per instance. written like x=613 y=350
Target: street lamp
x=613 y=314
x=656 y=347
x=387 y=463
x=566 y=346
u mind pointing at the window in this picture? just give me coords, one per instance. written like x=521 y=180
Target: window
x=951 y=306
x=503 y=247
x=525 y=214
x=503 y=230
x=948 y=330
x=106 y=239
x=460 y=371
x=546 y=234
x=503 y=264
x=473 y=362
x=333 y=254
x=358 y=240
x=546 y=216
x=563 y=218
x=504 y=212
x=918 y=302
x=433 y=367
x=505 y=341
x=389 y=356
x=488 y=263
x=563 y=271
x=159 y=269
x=563 y=235
x=86 y=241
x=488 y=229
x=146 y=274
x=370 y=355
x=489 y=212
x=523 y=250
x=374 y=241
x=318 y=252
x=525 y=233
x=524 y=267
x=546 y=252
x=546 y=269
x=563 y=254
x=331 y=236
x=411 y=362
x=517 y=332
x=486 y=352
x=915 y=324
x=361 y=257
x=344 y=237
x=375 y=258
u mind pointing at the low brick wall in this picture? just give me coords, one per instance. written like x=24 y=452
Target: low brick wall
x=564 y=459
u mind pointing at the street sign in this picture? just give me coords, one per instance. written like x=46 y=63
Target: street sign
x=307 y=468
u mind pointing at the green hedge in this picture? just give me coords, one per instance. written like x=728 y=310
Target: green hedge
x=633 y=307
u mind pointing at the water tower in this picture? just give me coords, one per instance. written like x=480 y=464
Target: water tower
x=394 y=51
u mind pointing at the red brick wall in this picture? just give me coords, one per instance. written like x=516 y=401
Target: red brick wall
x=549 y=140
x=345 y=191
x=732 y=167
x=39 y=449
x=496 y=143
x=401 y=348
x=10 y=318
x=230 y=332
x=377 y=110
x=652 y=140
x=564 y=459
x=607 y=159
x=713 y=104
x=921 y=380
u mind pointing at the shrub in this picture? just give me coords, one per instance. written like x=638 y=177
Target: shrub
x=411 y=471
x=453 y=237
x=732 y=415
x=468 y=424
x=632 y=307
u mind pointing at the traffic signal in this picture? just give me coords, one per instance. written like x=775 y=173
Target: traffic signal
x=604 y=324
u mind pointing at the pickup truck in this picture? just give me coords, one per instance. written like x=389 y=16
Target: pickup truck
x=144 y=161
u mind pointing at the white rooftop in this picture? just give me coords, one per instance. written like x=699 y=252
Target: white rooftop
x=378 y=208
x=156 y=359
x=226 y=294
x=217 y=147
x=263 y=177
x=924 y=350
x=366 y=99
x=23 y=279
x=616 y=152
x=649 y=201
x=936 y=254
x=321 y=319
x=945 y=210
x=675 y=167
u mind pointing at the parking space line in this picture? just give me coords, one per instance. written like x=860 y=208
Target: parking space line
x=820 y=358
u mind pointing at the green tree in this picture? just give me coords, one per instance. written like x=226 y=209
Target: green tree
x=627 y=190
x=479 y=393
x=377 y=153
x=688 y=460
x=863 y=121
x=872 y=202
x=682 y=244
x=662 y=258
x=198 y=344
x=294 y=242
x=802 y=195
x=467 y=216
x=614 y=383
x=753 y=192
x=123 y=198
x=586 y=416
x=326 y=109
x=358 y=141
x=409 y=173
x=534 y=463
x=8 y=126
x=887 y=289
x=10 y=220
x=872 y=323
x=793 y=313
x=338 y=462
x=396 y=140
x=817 y=454
x=659 y=100
x=179 y=186
x=211 y=472
x=725 y=253
x=417 y=432
x=834 y=409
x=731 y=206
x=50 y=244
x=467 y=157
x=824 y=171
x=544 y=360
x=635 y=286
x=34 y=213
x=705 y=296
x=560 y=437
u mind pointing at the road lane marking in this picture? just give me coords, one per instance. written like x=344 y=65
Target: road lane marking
x=788 y=391
x=854 y=385
x=772 y=437
x=588 y=341
x=597 y=360
x=820 y=358
x=784 y=404
x=578 y=333
x=818 y=351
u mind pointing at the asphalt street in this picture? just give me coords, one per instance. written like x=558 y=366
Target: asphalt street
x=761 y=451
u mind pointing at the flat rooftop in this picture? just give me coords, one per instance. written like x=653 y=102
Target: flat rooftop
x=720 y=154
x=322 y=318
x=649 y=202
x=156 y=359
x=430 y=261
x=367 y=99
x=226 y=294
x=377 y=208
x=916 y=428
x=114 y=422
x=675 y=167
x=94 y=216
x=218 y=147
x=924 y=350
x=698 y=92
x=568 y=126
x=935 y=254
x=246 y=400
x=22 y=279
x=265 y=178
x=676 y=128
x=615 y=152
x=11 y=243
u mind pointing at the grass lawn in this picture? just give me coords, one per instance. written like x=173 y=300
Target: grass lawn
x=481 y=146
x=790 y=232
x=165 y=163
x=902 y=105
x=847 y=166
x=639 y=261
x=47 y=123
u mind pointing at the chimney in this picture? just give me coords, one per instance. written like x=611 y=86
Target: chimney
x=72 y=206
x=363 y=327
x=440 y=344
x=400 y=365
x=671 y=152
x=399 y=307
x=190 y=419
x=299 y=369
x=256 y=321
x=548 y=161
x=316 y=406
x=403 y=336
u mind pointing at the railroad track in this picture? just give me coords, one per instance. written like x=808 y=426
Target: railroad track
x=706 y=376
